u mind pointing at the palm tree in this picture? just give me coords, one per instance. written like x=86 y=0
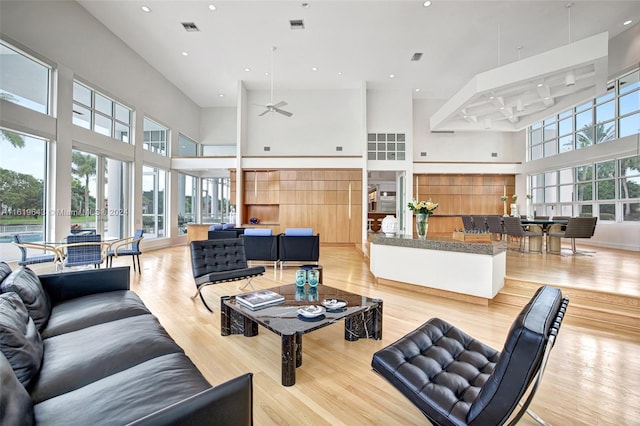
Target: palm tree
x=84 y=166
x=16 y=140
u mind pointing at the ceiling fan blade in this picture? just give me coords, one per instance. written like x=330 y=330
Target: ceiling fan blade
x=264 y=112
x=280 y=104
x=283 y=112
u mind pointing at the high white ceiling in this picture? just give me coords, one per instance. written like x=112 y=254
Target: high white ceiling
x=349 y=42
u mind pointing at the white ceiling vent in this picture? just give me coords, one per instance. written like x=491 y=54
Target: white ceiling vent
x=416 y=57
x=190 y=27
x=296 y=24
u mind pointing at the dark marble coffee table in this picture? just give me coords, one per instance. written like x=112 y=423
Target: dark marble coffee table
x=362 y=319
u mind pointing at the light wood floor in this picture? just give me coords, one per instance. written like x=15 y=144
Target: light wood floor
x=592 y=376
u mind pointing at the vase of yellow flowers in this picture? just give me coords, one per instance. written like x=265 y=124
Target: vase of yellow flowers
x=422 y=210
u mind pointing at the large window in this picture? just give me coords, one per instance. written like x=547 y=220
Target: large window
x=615 y=114
x=609 y=190
x=187 y=147
x=187 y=201
x=95 y=111
x=23 y=207
x=215 y=200
x=24 y=80
x=156 y=137
x=154 y=182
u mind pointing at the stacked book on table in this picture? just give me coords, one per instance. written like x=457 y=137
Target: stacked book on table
x=259 y=299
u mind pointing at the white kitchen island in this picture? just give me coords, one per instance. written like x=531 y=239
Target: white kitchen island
x=471 y=271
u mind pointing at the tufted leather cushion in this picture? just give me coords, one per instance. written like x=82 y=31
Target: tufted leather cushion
x=20 y=341
x=220 y=260
x=439 y=368
x=26 y=284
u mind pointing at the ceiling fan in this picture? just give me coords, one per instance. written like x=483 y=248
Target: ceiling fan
x=271 y=107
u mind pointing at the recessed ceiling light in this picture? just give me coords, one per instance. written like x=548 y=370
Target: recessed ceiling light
x=314 y=69
x=247 y=69
x=266 y=73
x=391 y=75
x=539 y=85
x=221 y=95
x=627 y=22
x=426 y=4
x=491 y=97
x=339 y=72
x=417 y=90
x=212 y=7
x=185 y=54
x=146 y=9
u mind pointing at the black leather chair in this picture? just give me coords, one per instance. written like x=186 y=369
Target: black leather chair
x=223 y=234
x=260 y=245
x=298 y=245
x=456 y=380
x=218 y=261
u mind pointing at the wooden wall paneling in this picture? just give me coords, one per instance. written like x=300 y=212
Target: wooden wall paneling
x=323 y=218
x=342 y=223
x=355 y=224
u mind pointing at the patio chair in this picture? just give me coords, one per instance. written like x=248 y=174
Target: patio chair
x=129 y=246
x=454 y=379
x=25 y=259
x=84 y=250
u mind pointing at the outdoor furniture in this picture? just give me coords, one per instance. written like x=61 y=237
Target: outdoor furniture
x=129 y=246
x=513 y=227
x=298 y=245
x=577 y=227
x=25 y=259
x=83 y=250
x=218 y=261
x=456 y=380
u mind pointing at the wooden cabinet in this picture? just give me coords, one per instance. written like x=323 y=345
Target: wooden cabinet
x=327 y=200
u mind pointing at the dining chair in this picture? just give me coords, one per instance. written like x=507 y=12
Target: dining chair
x=577 y=227
x=467 y=222
x=25 y=259
x=129 y=246
x=84 y=250
x=513 y=227
x=494 y=224
x=479 y=223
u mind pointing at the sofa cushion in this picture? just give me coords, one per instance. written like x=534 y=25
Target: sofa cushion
x=261 y=232
x=126 y=396
x=216 y=227
x=86 y=311
x=298 y=232
x=20 y=341
x=16 y=407
x=75 y=359
x=5 y=271
x=26 y=284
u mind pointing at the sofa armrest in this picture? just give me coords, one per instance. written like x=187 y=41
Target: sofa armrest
x=63 y=286
x=230 y=403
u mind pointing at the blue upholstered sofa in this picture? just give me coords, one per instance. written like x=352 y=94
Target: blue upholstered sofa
x=80 y=348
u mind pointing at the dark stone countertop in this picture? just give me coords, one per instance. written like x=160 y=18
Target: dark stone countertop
x=441 y=242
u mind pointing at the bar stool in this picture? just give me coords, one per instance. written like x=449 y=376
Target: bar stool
x=369 y=223
x=379 y=220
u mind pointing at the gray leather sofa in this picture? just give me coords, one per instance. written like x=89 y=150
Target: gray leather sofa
x=80 y=348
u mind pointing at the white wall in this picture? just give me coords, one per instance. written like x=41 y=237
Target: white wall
x=321 y=121
x=218 y=126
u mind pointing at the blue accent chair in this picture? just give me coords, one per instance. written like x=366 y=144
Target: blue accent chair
x=127 y=247
x=26 y=260
x=84 y=250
